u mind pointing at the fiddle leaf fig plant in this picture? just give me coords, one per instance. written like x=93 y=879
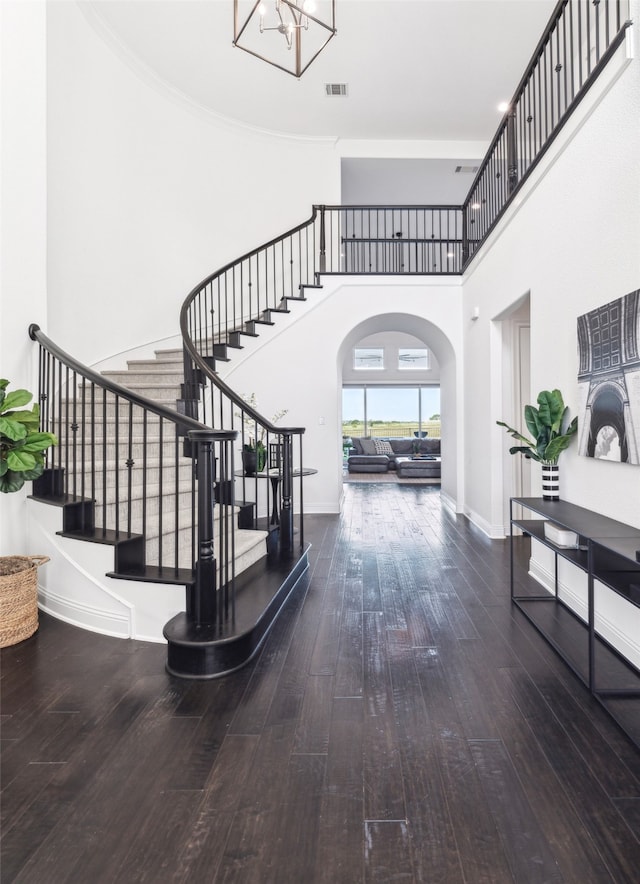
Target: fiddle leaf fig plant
x=22 y=445
x=548 y=426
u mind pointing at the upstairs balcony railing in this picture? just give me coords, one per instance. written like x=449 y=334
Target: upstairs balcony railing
x=579 y=40
x=391 y=239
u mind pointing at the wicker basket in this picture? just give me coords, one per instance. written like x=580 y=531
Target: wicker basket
x=18 y=597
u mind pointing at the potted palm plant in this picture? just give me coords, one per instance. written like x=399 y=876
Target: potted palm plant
x=551 y=436
x=22 y=459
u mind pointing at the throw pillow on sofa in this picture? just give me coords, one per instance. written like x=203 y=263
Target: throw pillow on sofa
x=367 y=446
x=382 y=446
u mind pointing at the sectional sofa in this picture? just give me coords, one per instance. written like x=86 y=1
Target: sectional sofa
x=379 y=455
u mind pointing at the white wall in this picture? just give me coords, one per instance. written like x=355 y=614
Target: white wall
x=573 y=244
x=391 y=373
x=148 y=195
x=23 y=243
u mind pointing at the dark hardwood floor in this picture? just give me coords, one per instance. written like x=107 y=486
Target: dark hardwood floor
x=403 y=722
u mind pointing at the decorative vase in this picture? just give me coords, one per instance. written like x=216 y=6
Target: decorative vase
x=550 y=481
x=249 y=461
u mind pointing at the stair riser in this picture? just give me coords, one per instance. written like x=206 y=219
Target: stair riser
x=168 y=364
x=105 y=514
x=108 y=411
x=139 y=378
x=254 y=550
x=171 y=355
x=153 y=477
x=136 y=452
x=157 y=393
x=185 y=514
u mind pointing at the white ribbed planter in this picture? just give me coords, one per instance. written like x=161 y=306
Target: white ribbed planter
x=550 y=481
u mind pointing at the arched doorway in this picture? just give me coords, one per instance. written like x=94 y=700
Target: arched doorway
x=435 y=339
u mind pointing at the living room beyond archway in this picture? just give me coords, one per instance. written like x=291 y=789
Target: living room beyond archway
x=435 y=338
x=391 y=409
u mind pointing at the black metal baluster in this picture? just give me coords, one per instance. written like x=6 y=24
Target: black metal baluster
x=176 y=505
x=550 y=85
x=129 y=463
x=512 y=152
x=580 y=66
x=160 y=491
x=145 y=471
x=83 y=441
x=105 y=436
x=116 y=461
x=589 y=36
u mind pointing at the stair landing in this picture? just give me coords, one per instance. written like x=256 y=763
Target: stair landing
x=208 y=652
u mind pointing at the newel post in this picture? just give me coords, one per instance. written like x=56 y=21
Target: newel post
x=204 y=598
x=465 y=235
x=323 y=242
x=286 y=511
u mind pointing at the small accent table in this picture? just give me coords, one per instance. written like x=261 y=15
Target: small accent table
x=275 y=476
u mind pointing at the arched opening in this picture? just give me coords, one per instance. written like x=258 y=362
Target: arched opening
x=437 y=342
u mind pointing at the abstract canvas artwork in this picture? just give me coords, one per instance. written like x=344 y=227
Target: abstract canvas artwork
x=609 y=381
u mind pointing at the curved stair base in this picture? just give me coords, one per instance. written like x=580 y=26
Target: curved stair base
x=212 y=651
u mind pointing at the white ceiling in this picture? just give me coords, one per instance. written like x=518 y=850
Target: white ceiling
x=432 y=70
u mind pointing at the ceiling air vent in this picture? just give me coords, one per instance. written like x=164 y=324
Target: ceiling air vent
x=332 y=89
x=466 y=170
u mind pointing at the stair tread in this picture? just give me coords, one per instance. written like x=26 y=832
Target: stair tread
x=108 y=536
x=155 y=574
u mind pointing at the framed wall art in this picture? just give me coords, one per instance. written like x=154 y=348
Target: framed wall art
x=609 y=381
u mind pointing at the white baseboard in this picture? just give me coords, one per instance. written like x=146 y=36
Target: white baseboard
x=494 y=532
x=84 y=616
x=449 y=502
x=324 y=508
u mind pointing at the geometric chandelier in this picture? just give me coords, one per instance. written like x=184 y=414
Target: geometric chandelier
x=288 y=34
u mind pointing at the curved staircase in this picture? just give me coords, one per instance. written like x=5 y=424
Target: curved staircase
x=125 y=475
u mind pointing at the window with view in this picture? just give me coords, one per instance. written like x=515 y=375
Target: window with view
x=391 y=411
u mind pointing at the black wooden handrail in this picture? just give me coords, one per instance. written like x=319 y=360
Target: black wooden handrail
x=36 y=334
x=272 y=242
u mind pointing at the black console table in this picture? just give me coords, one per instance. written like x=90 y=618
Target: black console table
x=608 y=552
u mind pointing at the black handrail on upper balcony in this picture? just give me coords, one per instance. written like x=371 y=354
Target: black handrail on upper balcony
x=121 y=454
x=578 y=42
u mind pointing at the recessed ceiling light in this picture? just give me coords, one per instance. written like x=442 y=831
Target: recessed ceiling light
x=503 y=107
x=475 y=206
